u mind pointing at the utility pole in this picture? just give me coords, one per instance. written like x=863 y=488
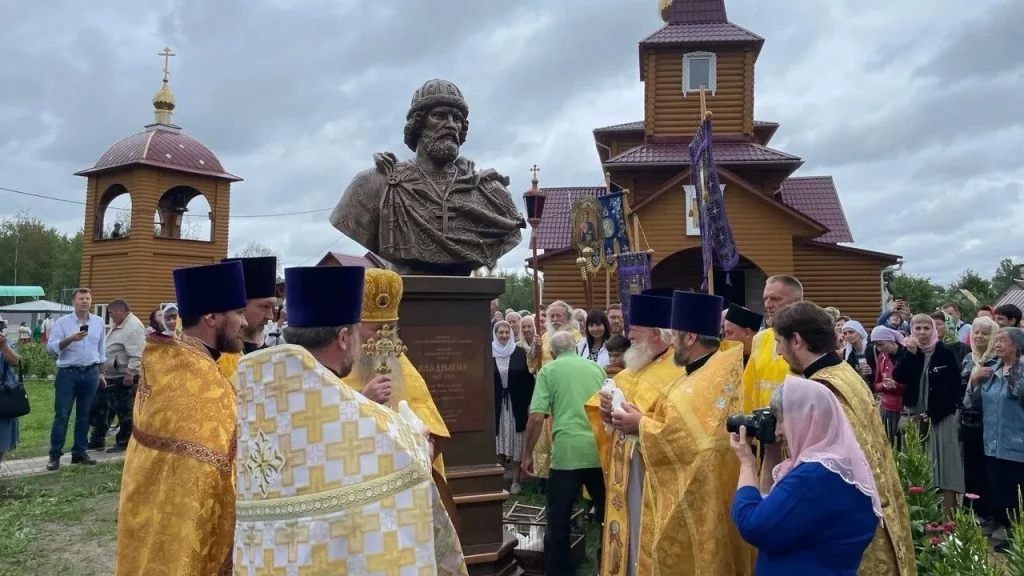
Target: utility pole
x=17 y=242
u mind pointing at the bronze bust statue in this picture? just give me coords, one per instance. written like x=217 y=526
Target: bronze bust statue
x=435 y=214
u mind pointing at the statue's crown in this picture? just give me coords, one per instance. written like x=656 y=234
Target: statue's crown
x=382 y=293
x=437 y=92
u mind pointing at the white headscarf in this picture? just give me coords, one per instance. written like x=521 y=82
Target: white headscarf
x=859 y=328
x=499 y=350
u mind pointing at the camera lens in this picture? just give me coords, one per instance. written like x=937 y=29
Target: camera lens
x=733 y=423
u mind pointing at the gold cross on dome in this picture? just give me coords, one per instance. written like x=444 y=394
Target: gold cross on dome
x=167 y=61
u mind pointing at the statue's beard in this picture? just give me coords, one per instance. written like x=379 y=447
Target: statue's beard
x=442 y=146
x=638 y=356
x=365 y=369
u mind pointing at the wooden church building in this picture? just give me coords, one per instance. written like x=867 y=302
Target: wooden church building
x=162 y=170
x=783 y=224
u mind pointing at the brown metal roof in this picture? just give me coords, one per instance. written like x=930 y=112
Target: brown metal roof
x=697 y=11
x=665 y=154
x=1013 y=295
x=368 y=260
x=555 y=229
x=165 y=147
x=637 y=126
x=816 y=197
x=705 y=33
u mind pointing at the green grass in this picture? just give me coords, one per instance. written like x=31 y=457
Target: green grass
x=60 y=524
x=34 y=429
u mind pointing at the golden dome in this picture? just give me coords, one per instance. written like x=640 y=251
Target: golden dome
x=664 y=6
x=163 y=101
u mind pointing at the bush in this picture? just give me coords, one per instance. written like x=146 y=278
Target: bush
x=942 y=548
x=36 y=362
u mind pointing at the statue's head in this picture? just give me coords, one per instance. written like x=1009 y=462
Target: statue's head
x=438 y=120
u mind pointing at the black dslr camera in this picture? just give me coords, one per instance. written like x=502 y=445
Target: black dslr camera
x=760 y=425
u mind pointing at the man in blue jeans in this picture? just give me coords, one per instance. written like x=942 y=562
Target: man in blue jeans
x=78 y=340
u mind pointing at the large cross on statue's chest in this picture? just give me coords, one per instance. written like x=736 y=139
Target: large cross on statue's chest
x=443 y=215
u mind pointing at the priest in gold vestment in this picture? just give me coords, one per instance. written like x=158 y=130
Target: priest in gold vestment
x=330 y=482
x=688 y=465
x=629 y=497
x=261 y=299
x=558 y=317
x=805 y=336
x=176 y=515
x=389 y=378
x=766 y=369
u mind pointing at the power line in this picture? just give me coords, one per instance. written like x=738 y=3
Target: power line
x=322 y=250
x=55 y=199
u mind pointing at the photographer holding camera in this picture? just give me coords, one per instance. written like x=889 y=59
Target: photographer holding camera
x=826 y=477
x=805 y=337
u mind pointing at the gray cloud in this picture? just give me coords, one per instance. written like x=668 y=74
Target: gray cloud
x=918 y=114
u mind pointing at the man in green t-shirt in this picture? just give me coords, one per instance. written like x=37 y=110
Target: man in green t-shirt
x=37 y=331
x=563 y=387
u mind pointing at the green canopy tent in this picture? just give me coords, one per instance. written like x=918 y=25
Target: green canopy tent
x=21 y=292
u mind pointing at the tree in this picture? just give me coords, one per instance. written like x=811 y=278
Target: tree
x=1005 y=274
x=977 y=286
x=34 y=254
x=919 y=292
x=256 y=250
x=518 y=293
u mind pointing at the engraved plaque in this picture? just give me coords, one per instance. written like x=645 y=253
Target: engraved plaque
x=450 y=359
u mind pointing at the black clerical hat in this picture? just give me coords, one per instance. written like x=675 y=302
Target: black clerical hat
x=260 y=276
x=209 y=289
x=650 y=311
x=324 y=296
x=697 y=313
x=743 y=317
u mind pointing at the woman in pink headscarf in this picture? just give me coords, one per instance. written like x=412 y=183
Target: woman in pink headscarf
x=931 y=373
x=888 y=344
x=820 y=508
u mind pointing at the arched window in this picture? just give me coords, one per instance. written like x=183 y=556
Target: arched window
x=113 y=214
x=183 y=213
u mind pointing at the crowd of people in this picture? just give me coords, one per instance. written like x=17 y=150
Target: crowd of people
x=707 y=438
x=955 y=380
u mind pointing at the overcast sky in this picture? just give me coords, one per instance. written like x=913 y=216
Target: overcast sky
x=913 y=106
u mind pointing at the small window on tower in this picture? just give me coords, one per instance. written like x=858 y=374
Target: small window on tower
x=698 y=70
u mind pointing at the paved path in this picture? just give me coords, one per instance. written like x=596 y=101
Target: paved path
x=33 y=466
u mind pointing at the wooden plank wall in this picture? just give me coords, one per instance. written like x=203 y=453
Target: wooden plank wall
x=850 y=282
x=138 y=268
x=670 y=112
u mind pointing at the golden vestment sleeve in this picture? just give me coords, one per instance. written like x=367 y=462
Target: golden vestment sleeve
x=692 y=472
x=891 y=552
x=228 y=363
x=765 y=371
x=177 y=507
x=415 y=392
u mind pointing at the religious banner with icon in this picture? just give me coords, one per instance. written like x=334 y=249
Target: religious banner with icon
x=716 y=236
x=613 y=226
x=634 y=278
x=587 y=228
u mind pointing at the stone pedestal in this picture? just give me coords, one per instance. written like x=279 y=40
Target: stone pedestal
x=446 y=326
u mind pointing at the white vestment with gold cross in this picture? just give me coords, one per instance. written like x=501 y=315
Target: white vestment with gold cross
x=330 y=482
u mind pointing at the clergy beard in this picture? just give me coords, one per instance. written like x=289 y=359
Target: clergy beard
x=442 y=146
x=681 y=357
x=551 y=329
x=222 y=343
x=365 y=369
x=638 y=356
x=251 y=334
